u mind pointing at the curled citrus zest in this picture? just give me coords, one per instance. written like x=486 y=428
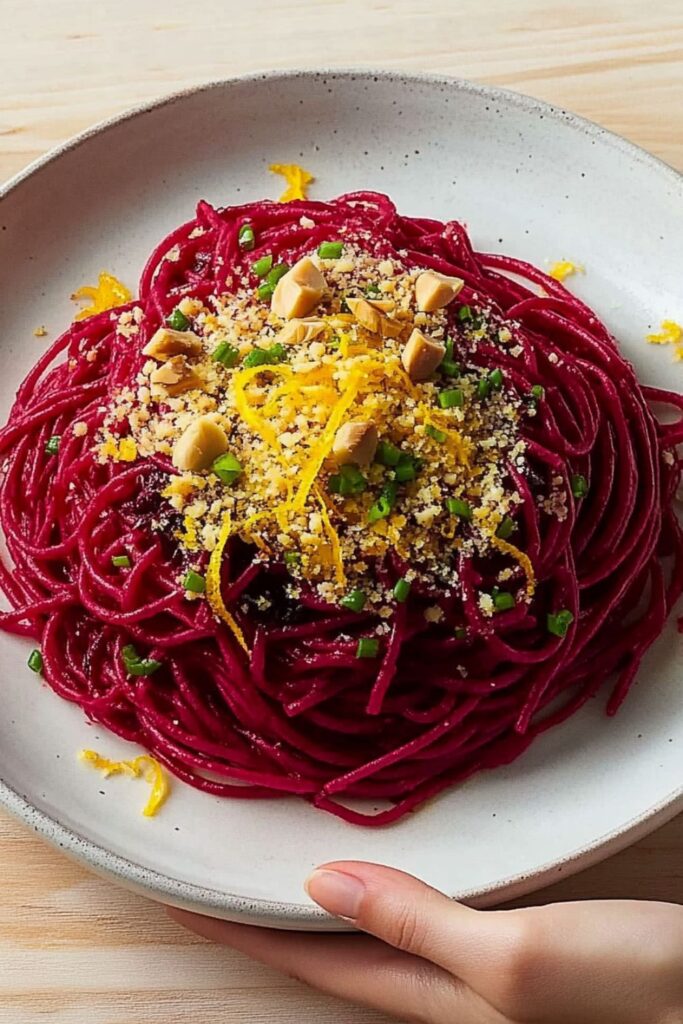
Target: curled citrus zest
x=564 y=269
x=106 y=294
x=333 y=536
x=213 y=582
x=144 y=766
x=671 y=333
x=321 y=449
x=297 y=180
x=244 y=407
x=521 y=558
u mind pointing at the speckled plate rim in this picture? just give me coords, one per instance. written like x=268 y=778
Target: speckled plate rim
x=290 y=915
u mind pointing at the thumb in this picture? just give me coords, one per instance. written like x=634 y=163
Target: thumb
x=413 y=917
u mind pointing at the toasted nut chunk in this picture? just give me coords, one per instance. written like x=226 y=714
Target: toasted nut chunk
x=434 y=290
x=421 y=355
x=299 y=291
x=201 y=443
x=297 y=331
x=383 y=305
x=167 y=342
x=175 y=376
x=355 y=442
x=366 y=315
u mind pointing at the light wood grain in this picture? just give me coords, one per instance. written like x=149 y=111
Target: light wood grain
x=73 y=948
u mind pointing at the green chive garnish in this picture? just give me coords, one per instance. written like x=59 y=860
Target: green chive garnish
x=537 y=392
x=265 y=356
x=465 y=313
x=52 y=446
x=262 y=266
x=120 y=561
x=387 y=454
x=355 y=601
x=506 y=528
x=559 y=623
x=265 y=291
x=330 y=250
x=137 y=666
x=35 y=661
x=460 y=508
x=503 y=601
x=401 y=589
x=349 y=480
x=372 y=291
x=453 y=398
x=245 y=238
x=194 y=582
x=483 y=388
x=276 y=273
x=496 y=378
x=227 y=468
x=368 y=647
x=292 y=558
x=579 y=486
x=449 y=368
x=406 y=469
x=177 y=320
x=435 y=433
x=226 y=354
x=384 y=503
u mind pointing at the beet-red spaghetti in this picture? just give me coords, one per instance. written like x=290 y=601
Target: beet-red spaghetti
x=338 y=507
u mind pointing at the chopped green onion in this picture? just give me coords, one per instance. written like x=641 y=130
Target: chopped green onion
x=579 y=486
x=401 y=589
x=227 y=468
x=292 y=558
x=52 y=446
x=177 y=320
x=372 y=291
x=120 y=561
x=245 y=238
x=483 y=388
x=435 y=433
x=465 y=313
x=406 y=469
x=449 y=368
x=460 y=633
x=226 y=354
x=559 y=623
x=387 y=454
x=265 y=291
x=384 y=503
x=137 y=666
x=262 y=266
x=265 y=356
x=460 y=508
x=194 y=582
x=507 y=527
x=496 y=378
x=537 y=392
x=448 y=353
x=349 y=480
x=355 y=601
x=276 y=273
x=330 y=250
x=503 y=601
x=368 y=647
x=35 y=661
x=453 y=398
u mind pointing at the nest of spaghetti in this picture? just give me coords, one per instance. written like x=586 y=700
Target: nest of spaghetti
x=338 y=507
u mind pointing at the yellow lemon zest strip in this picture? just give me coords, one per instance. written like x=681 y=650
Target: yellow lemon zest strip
x=106 y=294
x=321 y=449
x=671 y=334
x=565 y=268
x=213 y=582
x=297 y=180
x=334 y=539
x=521 y=558
x=144 y=766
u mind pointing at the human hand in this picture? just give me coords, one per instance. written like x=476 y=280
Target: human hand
x=435 y=961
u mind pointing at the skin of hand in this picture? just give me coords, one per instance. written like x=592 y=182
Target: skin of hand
x=426 y=958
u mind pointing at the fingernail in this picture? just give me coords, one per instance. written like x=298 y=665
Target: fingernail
x=336 y=892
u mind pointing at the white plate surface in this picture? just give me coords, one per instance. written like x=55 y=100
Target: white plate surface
x=529 y=180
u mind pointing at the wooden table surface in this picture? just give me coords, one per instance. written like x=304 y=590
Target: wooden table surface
x=75 y=949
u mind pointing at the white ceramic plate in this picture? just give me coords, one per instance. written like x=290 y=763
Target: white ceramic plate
x=529 y=180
